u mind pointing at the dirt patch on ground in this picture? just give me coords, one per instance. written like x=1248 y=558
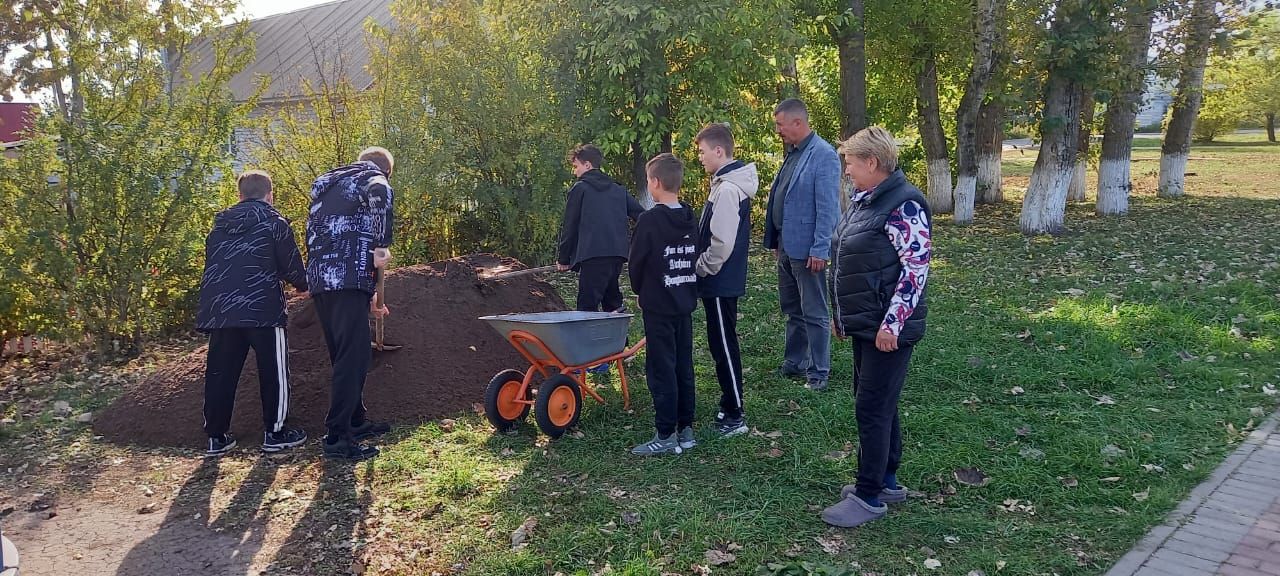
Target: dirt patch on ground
x=447 y=358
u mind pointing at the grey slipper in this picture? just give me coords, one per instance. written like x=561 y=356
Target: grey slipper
x=852 y=512
x=887 y=495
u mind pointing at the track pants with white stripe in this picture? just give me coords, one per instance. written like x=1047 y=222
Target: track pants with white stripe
x=228 y=348
x=722 y=338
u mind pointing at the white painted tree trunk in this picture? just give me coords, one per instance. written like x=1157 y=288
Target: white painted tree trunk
x=1113 y=187
x=939 y=193
x=1043 y=210
x=966 y=193
x=1173 y=170
x=1078 y=189
x=990 y=188
x=1176 y=147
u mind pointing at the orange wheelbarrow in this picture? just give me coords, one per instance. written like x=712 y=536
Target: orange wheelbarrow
x=559 y=346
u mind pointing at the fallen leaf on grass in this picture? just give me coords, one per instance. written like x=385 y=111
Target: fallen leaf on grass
x=1074 y=292
x=718 y=557
x=630 y=518
x=1023 y=431
x=951 y=539
x=1188 y=466
x=149 y=508
x=1142 y=496
x=577 y=435
x=507 y=452
x=1000 y=564
x=774 y=434
x=1031 y=453
x=1069 y=482
x=932 y=564
x=1112 y=451
x=1016 y=390
x=1110 y=479
x=1153 y=468
x=521 y=535
x=1104 y=400
x=832 y=545
x=774 y=453
x=971 y=477
x=1257 y=412
x=836 y=455
x=976 y=573
x=478 y=408
x=1186 y=356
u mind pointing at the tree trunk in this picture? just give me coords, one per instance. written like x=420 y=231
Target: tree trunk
x=935 y=140
x=1187 y=100
x=1271 y=126
x=790 y=85
x=1114 y=181
x=984 y=46
x=1076 y=192
x=990 y=151
x=851 y=42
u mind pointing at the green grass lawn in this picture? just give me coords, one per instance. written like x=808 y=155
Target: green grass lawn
x=1095 y=377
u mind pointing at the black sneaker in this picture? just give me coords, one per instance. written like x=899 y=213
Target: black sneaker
x=219 y=445
x=369 y=429
x=729 y=427
x=348 y=450
x=286 y=438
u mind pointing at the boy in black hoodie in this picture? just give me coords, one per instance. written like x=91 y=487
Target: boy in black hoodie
x=593 y=233
x=249 y=251
x=663 y=254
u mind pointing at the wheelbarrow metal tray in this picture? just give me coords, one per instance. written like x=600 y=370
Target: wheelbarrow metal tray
x=576 y=338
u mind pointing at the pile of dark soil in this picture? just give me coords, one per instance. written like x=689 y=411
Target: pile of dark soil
x=448 y=357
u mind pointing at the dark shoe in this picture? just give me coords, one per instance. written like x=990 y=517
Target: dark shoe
x=887 y=495
x=348 y=450
x=219 y=445
x=816 y=385
x=273 y=442
x=792 y=373
x=729 y=427
x=369 y=430
x=686 y=438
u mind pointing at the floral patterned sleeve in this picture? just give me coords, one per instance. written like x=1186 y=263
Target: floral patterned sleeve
x=908 y=230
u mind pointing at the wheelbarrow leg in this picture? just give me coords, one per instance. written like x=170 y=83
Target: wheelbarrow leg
x=622 y=379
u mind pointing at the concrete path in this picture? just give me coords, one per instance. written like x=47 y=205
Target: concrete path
x=1229 y=525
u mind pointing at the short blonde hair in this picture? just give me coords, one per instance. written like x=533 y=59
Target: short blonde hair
x=254 y=184
x=874 y=142
x=380 y=156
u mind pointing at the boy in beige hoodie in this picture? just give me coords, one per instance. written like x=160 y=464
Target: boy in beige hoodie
x=724 y=235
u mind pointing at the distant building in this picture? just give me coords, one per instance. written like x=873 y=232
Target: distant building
x=317 y=45
x=15 y=120
x=1157 y=97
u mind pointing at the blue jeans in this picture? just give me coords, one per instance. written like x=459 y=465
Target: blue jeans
x=803 y=296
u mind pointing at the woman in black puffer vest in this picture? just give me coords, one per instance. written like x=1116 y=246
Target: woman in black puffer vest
x=880 y=264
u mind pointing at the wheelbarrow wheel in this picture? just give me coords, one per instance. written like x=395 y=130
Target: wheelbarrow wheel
x=558 y=406
x=501 y=400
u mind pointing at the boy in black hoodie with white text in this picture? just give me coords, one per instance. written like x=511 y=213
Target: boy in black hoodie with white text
x=664 y=252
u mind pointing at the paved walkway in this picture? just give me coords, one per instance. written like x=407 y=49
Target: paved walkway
x=1228 y=526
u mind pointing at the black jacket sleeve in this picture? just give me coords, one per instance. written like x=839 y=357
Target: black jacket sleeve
x=637 y=259
x=569 y=225
x=634 y=209
x=288 y=259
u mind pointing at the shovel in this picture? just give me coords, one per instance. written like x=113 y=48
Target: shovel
x=378 y=321
x=526 y=272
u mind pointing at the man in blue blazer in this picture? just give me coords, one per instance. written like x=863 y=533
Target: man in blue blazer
x=804 y=207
